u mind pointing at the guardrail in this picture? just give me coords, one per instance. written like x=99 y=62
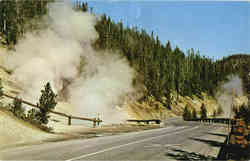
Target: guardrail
x=70 y=117
x=157 y=121
x=215 y=120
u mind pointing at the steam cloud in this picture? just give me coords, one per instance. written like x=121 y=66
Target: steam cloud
x=53 y=55
x=224 y=96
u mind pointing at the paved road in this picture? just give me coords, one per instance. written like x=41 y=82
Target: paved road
x=145 y=145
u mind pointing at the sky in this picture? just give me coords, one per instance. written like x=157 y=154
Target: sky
x=215 y=28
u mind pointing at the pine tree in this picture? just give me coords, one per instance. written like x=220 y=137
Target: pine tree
x=47 y=102
x=17 y=108
x=187 y=113
x=1 y=88
x=203 y=111
x=194 y=114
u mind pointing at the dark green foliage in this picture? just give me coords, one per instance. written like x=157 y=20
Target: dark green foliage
x=16 y=15
x=203 y=111
x=47 y=102
x=236 y=65
x=17 y=108
x=214 y=113
x=187 y=115
x=165 y=69
x=79 y=5
x=162 y=68
x=32 y=116
x=1 y=88
x=194 y=114
x=243 y=112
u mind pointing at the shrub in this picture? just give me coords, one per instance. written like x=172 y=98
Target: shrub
x=32 y=115
x=203 y=111
x=187 y=113
x=1 y=88
x=194 y=114
x=243 y=112
x=17 y=108
x=215 y=113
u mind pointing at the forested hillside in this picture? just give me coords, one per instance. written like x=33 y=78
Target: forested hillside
x=165 y=69
x=238 y=64
x=19 y=16
x=162 y=68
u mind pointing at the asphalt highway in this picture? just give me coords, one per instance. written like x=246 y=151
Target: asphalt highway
x=144 y=145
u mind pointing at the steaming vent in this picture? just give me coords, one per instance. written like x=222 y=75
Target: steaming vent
x=62 y=54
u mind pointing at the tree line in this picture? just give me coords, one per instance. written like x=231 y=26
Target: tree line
x=19 y=16
x=162 y=68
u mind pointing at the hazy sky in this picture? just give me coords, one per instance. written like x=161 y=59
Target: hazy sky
x=216 y=28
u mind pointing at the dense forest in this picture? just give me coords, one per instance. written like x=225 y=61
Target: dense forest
x=18 y=16
x=162 y=69
x=165 y=69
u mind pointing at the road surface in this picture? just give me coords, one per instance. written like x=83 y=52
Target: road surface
x=144 y=145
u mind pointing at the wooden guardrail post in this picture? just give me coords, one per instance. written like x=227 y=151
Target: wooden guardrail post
x=69 y=120
x=94 y=123
x=98 y=119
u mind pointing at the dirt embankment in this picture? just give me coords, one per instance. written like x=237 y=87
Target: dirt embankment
x=152 y=109
x=16 y=131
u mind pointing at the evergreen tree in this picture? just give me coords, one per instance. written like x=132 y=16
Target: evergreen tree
x=47 y=102
x=203 y=111
x=17 y=108
x=243 y=112
x=187 y=113
x=1 y=88
x=194 y=114
x=162 y=70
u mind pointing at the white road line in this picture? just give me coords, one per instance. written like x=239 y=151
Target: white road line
x=135 y=142
x=27 y=148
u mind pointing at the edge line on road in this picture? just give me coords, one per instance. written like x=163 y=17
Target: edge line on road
x=131 y=143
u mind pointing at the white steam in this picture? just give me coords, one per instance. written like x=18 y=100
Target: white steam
x=53 y=55
x=225 y=95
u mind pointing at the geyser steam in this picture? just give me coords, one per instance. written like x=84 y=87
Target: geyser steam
x=53 y=55
x=224 y=97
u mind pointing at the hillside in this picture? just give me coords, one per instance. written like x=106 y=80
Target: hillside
x=16 y=131
x=97 y=66
x=238 y=64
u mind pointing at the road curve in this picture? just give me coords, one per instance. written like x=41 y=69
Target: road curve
x=144 y=145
